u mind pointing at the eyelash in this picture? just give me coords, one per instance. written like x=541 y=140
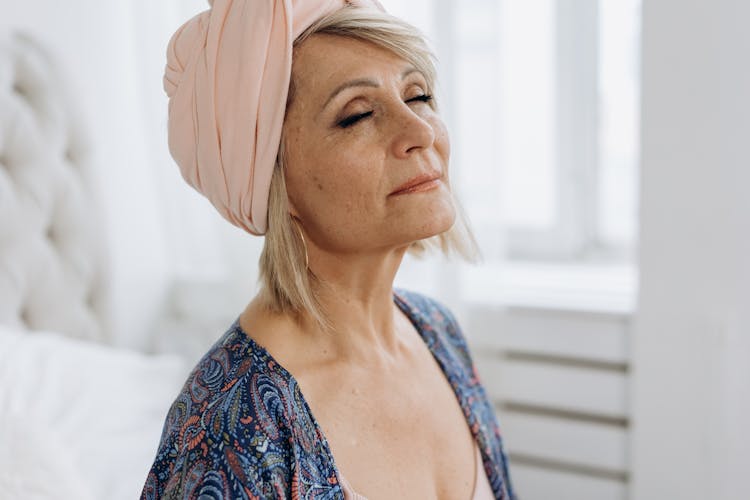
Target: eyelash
x=351 y=120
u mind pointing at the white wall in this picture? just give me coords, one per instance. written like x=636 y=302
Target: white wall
x=691 y=356
x=94 y=40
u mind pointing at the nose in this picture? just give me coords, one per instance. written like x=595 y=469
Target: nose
x=412 y=132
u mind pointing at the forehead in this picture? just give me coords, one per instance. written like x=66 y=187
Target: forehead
x=324 y=61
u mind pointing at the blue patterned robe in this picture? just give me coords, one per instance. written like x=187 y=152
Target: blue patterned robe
x=241 y=427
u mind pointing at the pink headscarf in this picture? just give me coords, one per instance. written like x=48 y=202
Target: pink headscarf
x=227 y=79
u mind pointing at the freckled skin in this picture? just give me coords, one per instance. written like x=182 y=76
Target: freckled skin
x=388 y=438
x=339 y=179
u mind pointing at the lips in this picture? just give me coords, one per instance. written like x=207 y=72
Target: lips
x=415 y=182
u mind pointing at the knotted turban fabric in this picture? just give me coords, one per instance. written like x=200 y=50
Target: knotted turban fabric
x=227 y=79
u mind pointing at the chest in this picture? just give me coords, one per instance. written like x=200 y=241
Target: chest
x=396 y=433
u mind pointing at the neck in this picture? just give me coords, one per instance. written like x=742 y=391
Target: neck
x=356 y=295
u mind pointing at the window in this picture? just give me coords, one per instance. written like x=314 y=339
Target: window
x=542 y=100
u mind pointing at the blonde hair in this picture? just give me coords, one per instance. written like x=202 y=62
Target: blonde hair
x=287 y=283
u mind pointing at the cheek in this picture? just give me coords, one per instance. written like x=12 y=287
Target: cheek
x=331 y=189
x=442 y=140
x=347 y=191
x=347 y=170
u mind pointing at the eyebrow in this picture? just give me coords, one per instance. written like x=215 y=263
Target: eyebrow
x=363 y=82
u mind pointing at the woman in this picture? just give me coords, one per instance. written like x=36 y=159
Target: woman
x=313 y=123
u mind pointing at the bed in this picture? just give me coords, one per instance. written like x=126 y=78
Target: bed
x=79 y=417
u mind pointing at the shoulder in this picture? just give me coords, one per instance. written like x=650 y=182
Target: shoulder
x=444 y=337
x=229 y=429
x=429 y=307
x=434 y=316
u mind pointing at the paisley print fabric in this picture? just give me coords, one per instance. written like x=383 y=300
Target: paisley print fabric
x=241 y=428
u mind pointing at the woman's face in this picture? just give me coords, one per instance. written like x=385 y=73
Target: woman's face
x=359 y=127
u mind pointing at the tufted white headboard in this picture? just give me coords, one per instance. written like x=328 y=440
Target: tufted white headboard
x=52 y=260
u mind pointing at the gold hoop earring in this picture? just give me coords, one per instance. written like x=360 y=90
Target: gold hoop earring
x=298 y=225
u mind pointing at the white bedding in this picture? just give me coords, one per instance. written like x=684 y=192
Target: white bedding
x=77 y=419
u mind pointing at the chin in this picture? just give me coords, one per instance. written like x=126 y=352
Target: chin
x=446 y=225
x=440 y=218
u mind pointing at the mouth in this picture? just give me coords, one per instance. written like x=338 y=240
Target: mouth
x=422 y=182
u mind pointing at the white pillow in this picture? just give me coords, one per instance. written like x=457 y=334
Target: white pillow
x=78 y=419
x=34 y=463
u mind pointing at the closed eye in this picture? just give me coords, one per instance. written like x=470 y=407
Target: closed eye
x=422 y=98
x=351 y=120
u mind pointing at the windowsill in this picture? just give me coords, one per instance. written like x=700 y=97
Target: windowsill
x=581 y=287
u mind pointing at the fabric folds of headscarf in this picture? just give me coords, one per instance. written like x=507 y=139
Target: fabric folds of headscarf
x=227 y=79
